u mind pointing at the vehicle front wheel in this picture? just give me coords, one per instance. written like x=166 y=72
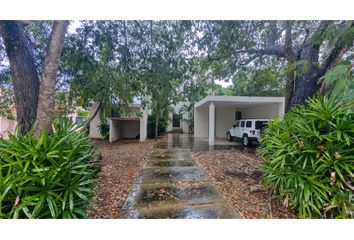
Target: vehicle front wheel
x=229 y=137
x=246 y=142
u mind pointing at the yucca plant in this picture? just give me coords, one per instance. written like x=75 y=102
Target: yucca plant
x=49 y=177
x=309 y=158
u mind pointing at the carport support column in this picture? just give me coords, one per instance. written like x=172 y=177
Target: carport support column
x=211 y=123
x=143 y=123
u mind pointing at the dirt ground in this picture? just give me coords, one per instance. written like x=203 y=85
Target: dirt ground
x=120 y=165
x=236 y=176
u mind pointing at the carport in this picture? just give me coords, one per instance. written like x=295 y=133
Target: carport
x=213 y=115
x=130 y=125
x=123 y=127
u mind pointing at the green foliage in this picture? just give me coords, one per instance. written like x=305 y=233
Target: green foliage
x=308 y=158
x=189 y=110
x=64 y=103
x=339 y=81
x=163 y=123
x=103 y=128
x=47 y=177
x=83 y=113
x=111 y=62
x=6 y=96
x=263 y=82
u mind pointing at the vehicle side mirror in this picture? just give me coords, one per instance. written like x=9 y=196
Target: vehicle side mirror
x=234 y=125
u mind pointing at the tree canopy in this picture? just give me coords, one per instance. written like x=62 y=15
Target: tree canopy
x=111 y=62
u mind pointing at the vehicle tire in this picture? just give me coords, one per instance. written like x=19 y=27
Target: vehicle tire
x=229 y=137
x=246 y=142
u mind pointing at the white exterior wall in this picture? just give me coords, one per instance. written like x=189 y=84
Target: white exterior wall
x=201 y=122
x=176 y=109
x=115 y=130
x=263 y=111
x=143 y=123
x=281 y=111
x=211 y=123
x=225 y=118
x=116 y=127
x=94 y=132
x=123 y=129
x=6 y=126
x=130 y=129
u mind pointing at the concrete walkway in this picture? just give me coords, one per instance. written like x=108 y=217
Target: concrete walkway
x=173 y=185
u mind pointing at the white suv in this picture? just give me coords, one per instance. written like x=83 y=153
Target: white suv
x=248 y=130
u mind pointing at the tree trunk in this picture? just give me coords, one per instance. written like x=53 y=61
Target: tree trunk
x=290 y=57
x=47 y=88
x=157 y=121
x=23 y=73
x=97 y=110
x=308 y=73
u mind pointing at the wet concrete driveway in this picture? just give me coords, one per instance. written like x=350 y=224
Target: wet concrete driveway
x=173 y=185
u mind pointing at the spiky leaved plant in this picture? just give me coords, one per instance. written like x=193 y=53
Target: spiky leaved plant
x=308 y=158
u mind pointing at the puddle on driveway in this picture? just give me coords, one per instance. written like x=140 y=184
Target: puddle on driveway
x=204 y=146
x=209 y=211
x=172 y=185
x=171 y=194
x=172 y=174
x=166 y=163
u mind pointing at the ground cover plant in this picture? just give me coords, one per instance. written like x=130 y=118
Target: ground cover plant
x=51 y=176
x=309 y=158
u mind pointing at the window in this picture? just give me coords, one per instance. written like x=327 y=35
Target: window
x=242 y=124
x=248 y=124
x=261 y=124
x=176 y=120
x=79 y=120
x=238 y=115
x=237 y=123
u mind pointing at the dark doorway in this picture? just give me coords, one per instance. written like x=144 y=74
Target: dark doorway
x=176 y=120
x=238 y=115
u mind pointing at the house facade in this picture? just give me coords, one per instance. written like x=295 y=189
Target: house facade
x=7 y=126
x=213 y=115
x=134 y=125
x=178 y=118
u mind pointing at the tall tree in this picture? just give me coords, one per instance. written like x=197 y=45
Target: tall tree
x=163 y=68
x=34 y=100
x=110 y=62
x=310 y=49
x=23 y=72
x=49 y=74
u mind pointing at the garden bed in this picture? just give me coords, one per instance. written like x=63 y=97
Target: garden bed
x=236 y=176
x=121 y=163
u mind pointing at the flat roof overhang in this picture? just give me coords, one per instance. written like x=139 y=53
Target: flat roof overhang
x=239 y=101
x=125 y=118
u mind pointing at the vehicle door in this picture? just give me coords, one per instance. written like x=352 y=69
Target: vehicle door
x=233 y=130
x=241 y=129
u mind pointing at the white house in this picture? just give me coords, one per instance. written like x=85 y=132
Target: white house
x=178 y=121
x=135 y=124
x=213 y=115
x=129 y=126
x=7 y=126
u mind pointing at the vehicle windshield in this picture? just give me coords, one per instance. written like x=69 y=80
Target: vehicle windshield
x=261 y=124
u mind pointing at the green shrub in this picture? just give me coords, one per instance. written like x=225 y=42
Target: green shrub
x=163 y=123
x=309 y=158
x=103 y=128
x=49 y=177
